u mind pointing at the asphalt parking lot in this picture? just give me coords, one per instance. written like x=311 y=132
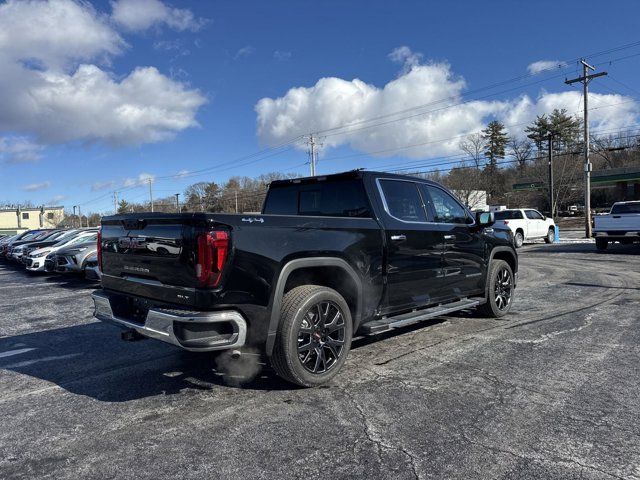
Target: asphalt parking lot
x=553 y=391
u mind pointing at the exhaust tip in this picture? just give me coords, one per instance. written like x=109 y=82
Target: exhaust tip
x=236 y=354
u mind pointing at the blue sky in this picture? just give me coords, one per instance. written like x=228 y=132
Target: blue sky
x=224 y=57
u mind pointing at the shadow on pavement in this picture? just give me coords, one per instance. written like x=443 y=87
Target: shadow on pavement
x=91 y=360
x=614 y=249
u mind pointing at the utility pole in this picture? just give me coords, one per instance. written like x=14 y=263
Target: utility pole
x=115 y=202
x=80 y=215
x=551 y=196
x=312 y=154
x=150 y=193
x=236 y=201
x=178 y=202
x=74 y=216
x=585 y=79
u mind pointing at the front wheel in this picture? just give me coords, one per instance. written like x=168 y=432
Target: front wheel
x=500 y=290
x=551 y=235
x=314 y=335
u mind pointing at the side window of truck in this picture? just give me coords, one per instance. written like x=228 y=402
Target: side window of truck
x=403 y=200
x=445 y=208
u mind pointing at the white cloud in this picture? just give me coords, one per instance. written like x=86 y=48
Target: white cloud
x=139 y=15
x=281 y=55
x=56 y=199
x=141 y=180
x=244 y=52
x=436 y=129
x=34 y=187
x=544 y=65
x=46 y=90
x=103 y=185
x=52 y=33
x=19 y=150
x=606 y=111
x=182 y=173
x=405 y=57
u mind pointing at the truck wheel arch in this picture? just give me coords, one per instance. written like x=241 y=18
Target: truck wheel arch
x=310 y=264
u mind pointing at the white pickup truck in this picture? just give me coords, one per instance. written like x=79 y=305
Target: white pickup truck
x=526 y=224
x=621 y=224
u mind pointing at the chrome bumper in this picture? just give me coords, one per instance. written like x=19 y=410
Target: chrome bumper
x=165 y=325
x=616 y=235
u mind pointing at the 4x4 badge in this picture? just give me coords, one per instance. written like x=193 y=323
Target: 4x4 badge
x=253 y=219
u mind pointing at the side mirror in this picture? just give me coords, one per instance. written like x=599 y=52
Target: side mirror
x=485 y=219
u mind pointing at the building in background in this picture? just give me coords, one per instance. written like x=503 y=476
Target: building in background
x=16 y=220
x=617 y=184
x=473 y=199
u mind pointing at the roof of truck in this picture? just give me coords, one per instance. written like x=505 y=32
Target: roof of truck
x=350 y=174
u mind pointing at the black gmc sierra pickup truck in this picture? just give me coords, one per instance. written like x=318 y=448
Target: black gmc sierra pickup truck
x=329 y=258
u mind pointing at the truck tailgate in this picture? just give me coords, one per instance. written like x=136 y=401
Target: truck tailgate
x=154 y=255
x=625 y=222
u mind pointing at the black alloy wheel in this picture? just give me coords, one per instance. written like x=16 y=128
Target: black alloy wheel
x=321 y=337
x=503 y=288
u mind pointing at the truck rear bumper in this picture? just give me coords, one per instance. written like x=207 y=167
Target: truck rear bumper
x=610 y=235
x=194 y=331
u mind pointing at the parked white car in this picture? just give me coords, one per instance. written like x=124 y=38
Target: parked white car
x=621 y=224
x=526 y=224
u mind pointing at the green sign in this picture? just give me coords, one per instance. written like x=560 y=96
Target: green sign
x=529 y=186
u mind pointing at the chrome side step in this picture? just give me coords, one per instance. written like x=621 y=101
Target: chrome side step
x=378 y=326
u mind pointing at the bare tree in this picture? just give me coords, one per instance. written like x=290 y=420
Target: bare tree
x=467 y=183
x=521 y=151
x=474 y=145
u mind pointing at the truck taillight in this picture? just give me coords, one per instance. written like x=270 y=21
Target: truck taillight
x=100 y=250
x=213 y=250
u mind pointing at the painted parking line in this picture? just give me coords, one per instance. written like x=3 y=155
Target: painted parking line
x=11 y=353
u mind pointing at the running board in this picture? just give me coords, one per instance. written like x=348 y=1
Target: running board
x=389 y=323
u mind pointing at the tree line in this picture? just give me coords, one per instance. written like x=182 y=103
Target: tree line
x=497 y=161
x=494 y=162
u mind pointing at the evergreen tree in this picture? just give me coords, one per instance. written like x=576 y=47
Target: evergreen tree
x=538 y=131
x=564 y=128
x=124 y=207
x=496 y=139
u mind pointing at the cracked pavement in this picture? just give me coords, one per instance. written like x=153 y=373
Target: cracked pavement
x=552 y=391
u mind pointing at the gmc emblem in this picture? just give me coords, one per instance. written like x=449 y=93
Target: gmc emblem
x=132 y=243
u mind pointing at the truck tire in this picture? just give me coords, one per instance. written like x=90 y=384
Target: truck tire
x=314 y=335
x=500 y=290
x=518 y=239
x=601 y=244
x=551 y=236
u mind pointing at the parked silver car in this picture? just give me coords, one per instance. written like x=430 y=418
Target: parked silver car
x=72 y=259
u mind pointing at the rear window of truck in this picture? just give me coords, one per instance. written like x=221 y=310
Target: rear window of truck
x=626 y=208
x=508 y=215
x=335 y=198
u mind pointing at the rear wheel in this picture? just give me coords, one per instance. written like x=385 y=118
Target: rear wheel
x=601 y=244
x=314 y=335
x=500 y=290
x=551 y=235
x=519 y=239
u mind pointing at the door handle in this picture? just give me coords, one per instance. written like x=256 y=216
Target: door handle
x=449 y=237
x=398 y=238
